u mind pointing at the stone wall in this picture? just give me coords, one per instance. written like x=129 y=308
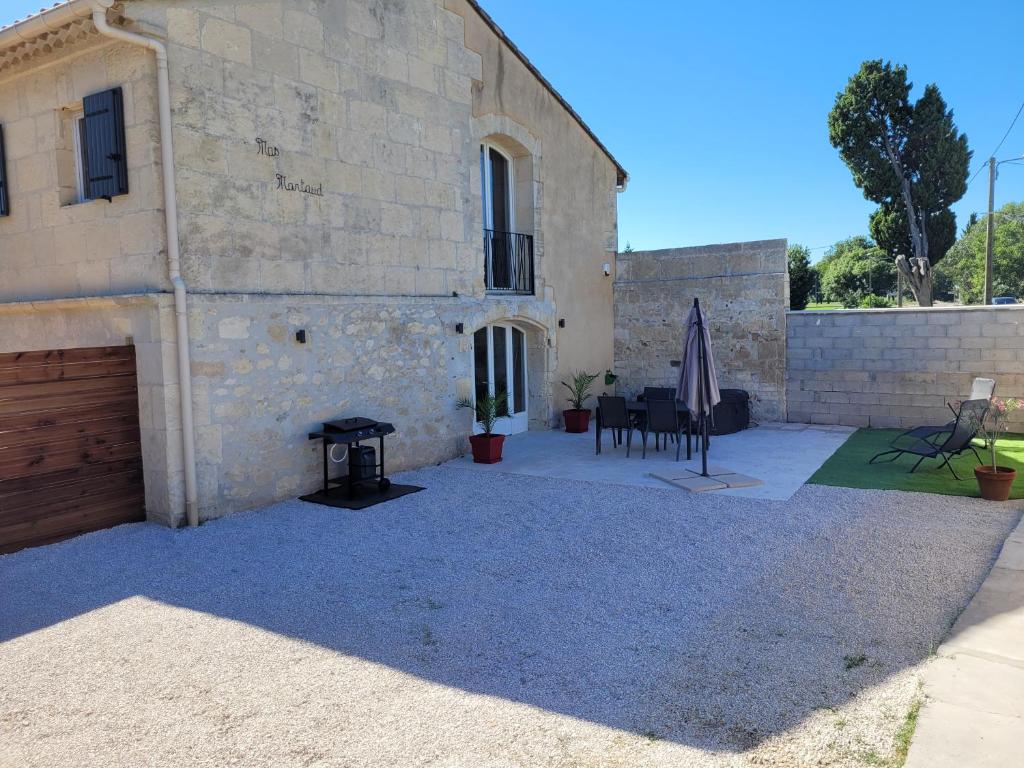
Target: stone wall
x=899 y=367
x=328 y=177
x=51 y=246
x=322 y=147
x=743 y=287
x=258 y=391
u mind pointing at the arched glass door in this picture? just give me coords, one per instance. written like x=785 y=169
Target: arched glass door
x=499 y=365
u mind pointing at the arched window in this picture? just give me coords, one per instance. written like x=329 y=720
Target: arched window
x=497 y=189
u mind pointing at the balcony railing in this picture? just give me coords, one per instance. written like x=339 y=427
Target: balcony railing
x=508 y=261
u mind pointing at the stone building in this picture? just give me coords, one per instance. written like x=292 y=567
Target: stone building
x=394 y=179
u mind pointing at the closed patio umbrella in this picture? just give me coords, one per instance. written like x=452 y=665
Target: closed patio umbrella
x=698 y=382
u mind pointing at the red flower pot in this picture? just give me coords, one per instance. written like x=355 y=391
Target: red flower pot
x=995 y=485
x=486 y=448
x=576 y=420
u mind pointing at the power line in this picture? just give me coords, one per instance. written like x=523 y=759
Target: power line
x=1000 y=144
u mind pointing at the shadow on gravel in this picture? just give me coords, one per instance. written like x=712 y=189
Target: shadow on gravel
x=711 y=621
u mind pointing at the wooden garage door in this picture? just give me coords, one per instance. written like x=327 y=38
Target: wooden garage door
x=70 y=456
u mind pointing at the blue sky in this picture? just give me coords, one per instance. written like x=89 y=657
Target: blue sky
x=718 y=110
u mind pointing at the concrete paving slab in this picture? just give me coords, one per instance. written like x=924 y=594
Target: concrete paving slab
x=1012 y=556
x=983 y=684
x=736 y=480
x=783 y=459
x=699 y=484
x=974 y=715
x=963 y=737
x=993 y=622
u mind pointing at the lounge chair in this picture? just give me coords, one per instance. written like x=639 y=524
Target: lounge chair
x=981 y=389
x=960 y=434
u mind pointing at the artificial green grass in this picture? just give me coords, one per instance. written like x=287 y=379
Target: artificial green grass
x=848 y=467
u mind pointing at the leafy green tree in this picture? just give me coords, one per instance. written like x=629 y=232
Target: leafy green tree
x=801 y=276
x=964 y=265
x=909 y=158
x=855 y=268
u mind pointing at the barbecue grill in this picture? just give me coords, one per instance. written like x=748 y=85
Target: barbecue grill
x=363 y=464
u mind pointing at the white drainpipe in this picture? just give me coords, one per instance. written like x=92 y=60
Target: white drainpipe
x=99 y=19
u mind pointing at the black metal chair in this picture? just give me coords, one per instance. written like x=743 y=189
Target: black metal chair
x=981 y=389
x=615 y=416
x=960 y=434
x=659 y=393
x=663 y=419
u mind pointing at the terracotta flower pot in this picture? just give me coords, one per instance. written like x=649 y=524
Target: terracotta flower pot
x=486 y=448
x=995 y=486
x=576 y=419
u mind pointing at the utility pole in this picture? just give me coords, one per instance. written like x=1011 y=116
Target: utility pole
x=990 y=228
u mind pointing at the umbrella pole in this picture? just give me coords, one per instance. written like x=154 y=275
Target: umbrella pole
x=703 y=393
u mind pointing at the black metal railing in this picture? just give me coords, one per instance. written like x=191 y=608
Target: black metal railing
x=508 y=262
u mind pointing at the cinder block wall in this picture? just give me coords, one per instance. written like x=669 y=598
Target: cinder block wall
x=744 y=288
x=899 y=367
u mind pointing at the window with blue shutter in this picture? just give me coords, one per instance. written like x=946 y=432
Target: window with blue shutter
x=104 y=162
x=5 y=204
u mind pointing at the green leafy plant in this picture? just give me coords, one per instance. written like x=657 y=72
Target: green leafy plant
x=874 y=301
x=994 y=423
x=488 y=409
x=579 y=388
x=609 y=377
x=801 y=276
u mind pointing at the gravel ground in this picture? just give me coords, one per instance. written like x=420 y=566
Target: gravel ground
x=491 y=621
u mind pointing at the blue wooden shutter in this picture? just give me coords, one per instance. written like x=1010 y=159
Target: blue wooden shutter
x=5 y=202
x=104 y=162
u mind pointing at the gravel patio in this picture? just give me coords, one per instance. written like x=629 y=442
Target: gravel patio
x=492 y=620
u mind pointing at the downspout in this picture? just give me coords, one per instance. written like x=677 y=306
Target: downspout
x=99 y=19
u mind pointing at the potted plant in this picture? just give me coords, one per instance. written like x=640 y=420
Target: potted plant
x=487 y=445
x=577 y=418
x=994 y=481
x=609 y=377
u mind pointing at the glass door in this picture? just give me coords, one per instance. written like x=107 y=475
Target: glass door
x=499 y=365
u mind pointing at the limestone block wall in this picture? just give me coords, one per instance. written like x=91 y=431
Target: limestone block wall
x=322 y=147
x=258 y=391
x=51 y=246
x=899 y=367
x=574 y=194
x=743 y=287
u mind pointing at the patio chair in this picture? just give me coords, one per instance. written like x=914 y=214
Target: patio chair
x=663 y=419
x=963 y=431
x=615 y=416
x=659 y=393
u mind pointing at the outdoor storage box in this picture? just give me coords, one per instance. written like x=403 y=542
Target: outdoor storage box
x=733 y=412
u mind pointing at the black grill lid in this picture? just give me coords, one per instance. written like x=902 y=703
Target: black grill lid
x=347 y=425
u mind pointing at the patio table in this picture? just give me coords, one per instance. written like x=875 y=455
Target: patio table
x=639 y=407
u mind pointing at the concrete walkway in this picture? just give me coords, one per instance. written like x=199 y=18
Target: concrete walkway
x=783 y=456
x=974 y=717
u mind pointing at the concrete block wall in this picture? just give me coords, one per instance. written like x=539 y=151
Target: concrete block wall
x=899 y=367
x=743 y=287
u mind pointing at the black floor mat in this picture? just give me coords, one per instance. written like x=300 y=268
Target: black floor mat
x=366 y=498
